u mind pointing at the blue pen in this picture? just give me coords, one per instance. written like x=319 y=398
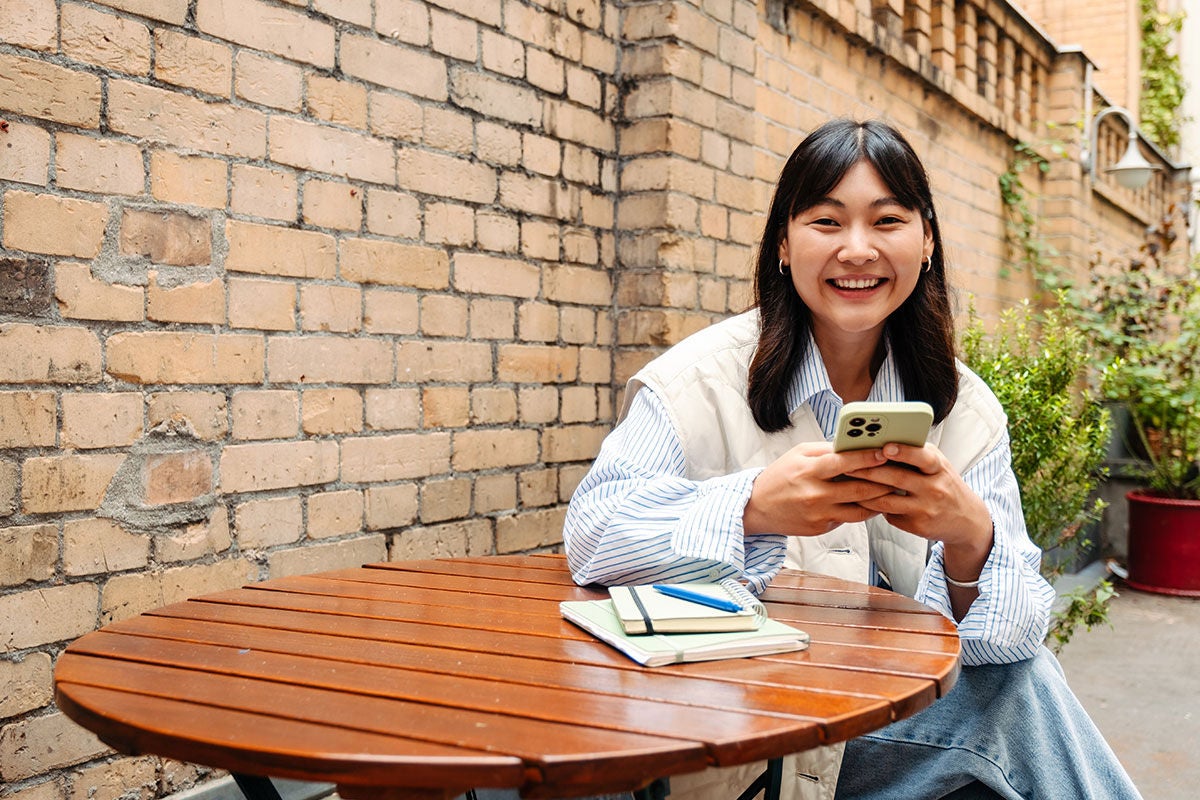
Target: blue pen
x=672 y=590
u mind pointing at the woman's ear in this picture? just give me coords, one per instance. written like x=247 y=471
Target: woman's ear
x=783 y=249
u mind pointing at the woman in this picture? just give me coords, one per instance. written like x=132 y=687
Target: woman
x=721 y=466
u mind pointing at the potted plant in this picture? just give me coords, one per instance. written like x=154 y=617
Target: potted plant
x=1158 y=378
x=1035 y=364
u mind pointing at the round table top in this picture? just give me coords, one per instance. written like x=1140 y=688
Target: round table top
x=443 y=675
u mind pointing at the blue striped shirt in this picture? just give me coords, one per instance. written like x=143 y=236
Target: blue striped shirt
x=637 y=518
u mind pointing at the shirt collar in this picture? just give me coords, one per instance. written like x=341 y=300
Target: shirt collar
x=811 y=380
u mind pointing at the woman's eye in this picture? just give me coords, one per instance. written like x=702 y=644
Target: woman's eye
x=890 y=220
x=824 y=221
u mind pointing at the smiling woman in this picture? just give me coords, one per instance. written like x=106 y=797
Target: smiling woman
x=722 y=467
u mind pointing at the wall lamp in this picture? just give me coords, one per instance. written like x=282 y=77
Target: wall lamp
x=1132 y=171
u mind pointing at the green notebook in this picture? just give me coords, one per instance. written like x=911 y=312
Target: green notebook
x=652 y=650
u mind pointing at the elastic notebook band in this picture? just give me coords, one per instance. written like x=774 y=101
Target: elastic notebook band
x=641 y=609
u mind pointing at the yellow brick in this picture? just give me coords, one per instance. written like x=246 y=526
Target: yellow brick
x=494 y=449
x=492 y=319
x=579 y=285
x=537 y=404
x=199 y=540
x=327 y=556
x=495 y=493
x=445 y=176
x=80 y=296
x=449 y=223
x=393 y=214
x=30 y=554
x=337 y=101
x=46 y=91
x=502 y=54
x=29 y=684
x=189 y=180
x=27 y=151
x=175 y=477
x=97 y=165
x=400 y=68
x=493 y=406
x=161 y=115
x=573 y=443
x=485 y=274
x=335 y=513
x=391 y=506
x=113 y=779
x=27 y=419
x=101 y=419
x=331 y=411
x=277 y=465
x=455 y=539
x=30 y=23
x=272 y=250
x=425 y=361
x=43 y=223
x=128 y=595
x=578 y=404
x=498 y=144
x=393 y=409
x=48 y=354
x=269 y=522
x=539 y=487
x=395 y=117
x=446 y=406
x=192 y=62
x=445 y=499
x=198 y=303
x=330 y=308
x=545 y=71
x=262 y=304
x=387 y=311
x=257 y=25
x=168 y=357
x=8 y=488
x=326 y=359
x=265 y=414
x=39 y=744
x=522 y=532
x=367 y=459
x=106 y=40
x=204 y=413
x=321 y=148
x=391 y=263
x=537 y=364
x=93 y=546
x=333 y=205
x=498 y=232
x=537 y=322
x=262 y=192
x=540 y=240
x=166 y=237
x=172 y=11
x=442 y=315
x=268 y=81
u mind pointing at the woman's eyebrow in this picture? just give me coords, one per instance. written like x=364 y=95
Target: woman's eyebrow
x=878 y=202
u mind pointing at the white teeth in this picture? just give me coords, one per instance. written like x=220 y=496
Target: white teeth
x=856 y=283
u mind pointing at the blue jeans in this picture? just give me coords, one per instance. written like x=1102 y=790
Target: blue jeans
x=1014 y=731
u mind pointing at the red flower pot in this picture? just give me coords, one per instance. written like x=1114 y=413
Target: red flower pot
x=1164 y=544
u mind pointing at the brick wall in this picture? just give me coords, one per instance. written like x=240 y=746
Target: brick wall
x=287 y=285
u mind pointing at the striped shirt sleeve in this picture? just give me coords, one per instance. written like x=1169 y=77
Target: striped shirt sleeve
x=1009 y=619
x=636 y=518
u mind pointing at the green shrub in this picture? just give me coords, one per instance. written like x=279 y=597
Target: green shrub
x=1036 y=363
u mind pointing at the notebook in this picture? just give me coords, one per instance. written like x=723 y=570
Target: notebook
x=598 y=618
x=645 y=609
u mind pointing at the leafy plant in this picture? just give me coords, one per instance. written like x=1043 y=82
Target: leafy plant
x=1035 y=364
x=1143 y=319
x=1162 y=80
x=1026 y=247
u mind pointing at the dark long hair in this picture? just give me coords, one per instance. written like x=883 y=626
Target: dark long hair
x=920 y=332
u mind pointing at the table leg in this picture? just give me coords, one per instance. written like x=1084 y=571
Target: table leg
x=255 y=787
x=768 y=782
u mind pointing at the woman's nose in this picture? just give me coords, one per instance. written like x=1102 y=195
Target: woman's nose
x=857 y=249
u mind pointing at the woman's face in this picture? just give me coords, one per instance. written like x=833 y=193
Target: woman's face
x=855 y=256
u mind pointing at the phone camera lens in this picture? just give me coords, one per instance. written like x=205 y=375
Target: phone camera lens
x=854 y=432
x=874 y=427
x=858 y=422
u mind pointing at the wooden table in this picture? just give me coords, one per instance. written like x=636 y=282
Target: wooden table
x=427 y=678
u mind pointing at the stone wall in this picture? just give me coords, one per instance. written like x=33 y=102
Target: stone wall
x=287 y=285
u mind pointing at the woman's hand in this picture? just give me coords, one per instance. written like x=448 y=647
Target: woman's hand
x=933 y=502
x=805 y=493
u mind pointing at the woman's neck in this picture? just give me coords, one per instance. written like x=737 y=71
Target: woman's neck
x=852 y=363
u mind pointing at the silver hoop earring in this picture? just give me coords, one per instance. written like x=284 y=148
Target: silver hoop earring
x=782 y=268
x=926 y=263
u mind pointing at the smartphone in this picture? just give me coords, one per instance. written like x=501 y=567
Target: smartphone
x=865 y=425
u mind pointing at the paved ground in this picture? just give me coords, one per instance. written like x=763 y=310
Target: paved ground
x=1140 y=681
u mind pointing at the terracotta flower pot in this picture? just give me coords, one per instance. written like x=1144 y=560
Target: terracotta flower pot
x=1164 y=544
